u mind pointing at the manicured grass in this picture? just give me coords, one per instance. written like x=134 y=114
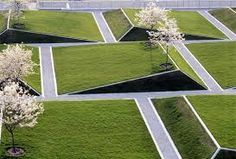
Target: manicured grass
x=34 y=79
x=92 y=129
x=190 y=138
x=75 y=25
x=219 y=60
x=227 y=17
x=83 y=67
x=218 y=113
x=117 y=22
x=2 y=22
x=184 y=66
x=189 y=22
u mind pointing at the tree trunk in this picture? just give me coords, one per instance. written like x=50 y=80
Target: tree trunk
x=13 y=141
x=167 y=55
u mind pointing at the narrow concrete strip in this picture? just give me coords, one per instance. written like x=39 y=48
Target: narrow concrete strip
x=198 y=68
x=48 y=75
x=231 y=35
x=160 y=136
x=114 y=96
x=103 y=27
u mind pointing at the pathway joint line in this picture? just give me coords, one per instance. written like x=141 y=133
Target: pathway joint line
x=160 y=135
x=215 y=153
x=53 y=71
x=232 y=10
x=41 y=72
x=201 y=122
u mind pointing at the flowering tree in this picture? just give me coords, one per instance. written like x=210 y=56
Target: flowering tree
x=19 y=109
x=16 y=9
x=151 y=16
x=166 y=35
x=15 y=63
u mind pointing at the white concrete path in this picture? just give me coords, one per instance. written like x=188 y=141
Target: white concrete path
x=198 y=68
x=103 y=27
x=49 y=86
x=231 y=35
x=160 y=136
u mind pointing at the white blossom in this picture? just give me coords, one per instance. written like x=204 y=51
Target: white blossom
x=18 y=107
x=15 y=62
x=166 y=34
x=151 y=16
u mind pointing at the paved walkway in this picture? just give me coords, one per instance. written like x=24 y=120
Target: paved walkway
x=109 y=96
x=103 y=27
x=157 y=130
x=231 y=35
x=49 y=88
x=198 y=68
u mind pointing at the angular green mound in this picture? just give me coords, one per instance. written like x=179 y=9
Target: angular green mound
x=227 y=17
x=189 y=22
x=190 y=138
x=83 y=67
x=93 y=129
x=219 y=60
x=218 y=113
x=117 y=22
x=73 y=25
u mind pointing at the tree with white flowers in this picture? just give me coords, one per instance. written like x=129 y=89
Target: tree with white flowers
x=19 y=109
x=16 y=9
x=151 y=17
x=15 y=63
x=166 y=35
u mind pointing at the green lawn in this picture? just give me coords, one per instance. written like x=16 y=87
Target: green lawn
x=75 y=25
x=88 y=130
x=34 y=79
x=190 y=138
x=83 y=67
x=184 y=66
x=2 y=22
x=117 y=22
x=218 y=113
x=227 y=17
x=189 y=22
x=219 y=60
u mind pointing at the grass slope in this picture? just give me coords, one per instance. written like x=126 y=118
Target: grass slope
x=189 y=22
x=188 y=135
x=75 y=25
x=34 y=79
x=2 y=22
x=218 y=113
x=184 y=66
x=88 y=130
x=219 y=60
x=227 y=17
x=117 y=22
x=83 y=67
